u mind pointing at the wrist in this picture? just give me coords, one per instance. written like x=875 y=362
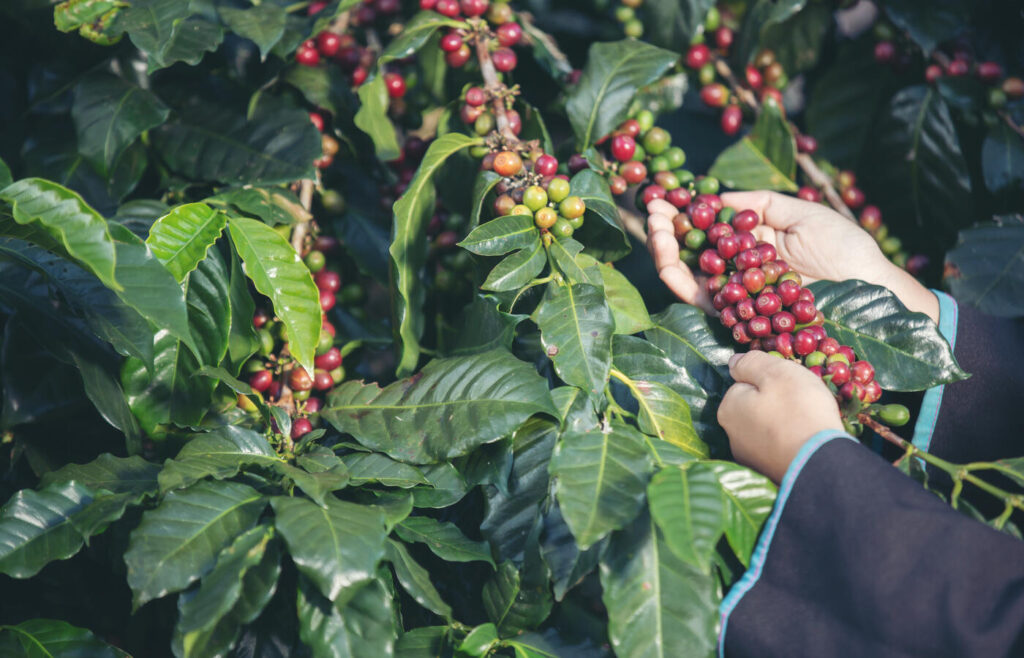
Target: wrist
x=912 y=293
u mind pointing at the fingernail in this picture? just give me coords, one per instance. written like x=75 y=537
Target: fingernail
x=734 y=358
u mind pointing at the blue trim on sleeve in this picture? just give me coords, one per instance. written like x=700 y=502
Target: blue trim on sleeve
x=751 y=576
x=925 y=426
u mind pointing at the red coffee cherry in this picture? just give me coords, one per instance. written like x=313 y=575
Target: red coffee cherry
x=623 y=148
x=734 y=292
x=702 y=215
x=740 y=333
x=745 y=309
x=728 y=317
x=932 y=73
x=395 y=84
x=678 y=197
x=839 y=371
x=732 y=119
x=728 y=245
x=884 y=52
x=759 y=326
x=711 y=262
x=754 y=78
x=745 y=220
x=990 y=72
x=504 y=59
x=806 y=144
x=327 y=280
x=329 y=360
x=634 y=172
x=328 y=43
x=261 y=380
x=753 y=280
x=300 y=428
x=808 y=194
x=862 y=371
x=853 y=197
x=768 y=303
x=784 y=341
x=783 y=322
x=714 y=95
x=458 y=57
x=473 y=7
x=449 y=8
x=697 y=56
x=509 y=34
x=546 y=165
x=451 y=42
x=870 y=218
x=307 y=55
x=804 y=342
x=299 y=380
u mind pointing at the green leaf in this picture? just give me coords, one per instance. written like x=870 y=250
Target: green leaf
x=423 y=641
x=486 y=180
x=656 y=602
x=327 y=16
x=988 y=268
x=219 y=454
x=576 y=328
x=907 y=350
x=445 y=540
x=363 y=627
x=220 y=589
x=447 y=486
x=1002 y=160
x=38 y=527
x=273 y=205
x=624 y=300
x=517 y=270
x=762 y=16
x=688 y=505
x=242 y=339
x=502 y=235
x=568 y=564
x=278 y=272
x=263 y=24
x=453 y=406
x=131 y=475
x=5 y=175
x=409 y=246
x=167 y=32
x=685 y=334
x=749 y=498
x=372 y=118
x=325 y=87
x=69 y=221
x=43 y=638
x=671 y=23
x=918 y=173
x=179 y=541
x=181 y=238
x=601 y=232
x=479 y=641
x=766 y=159
x=930 y=24
x=482 y=326
x=110 y=113
x=797 y=42
x=613 y=73
x=337 y=547
x=546 y=53
x=277 y=147
x=415 y=34
x=601 y=479
x=70 y=16
x=364 y=467
x=416 y=581
x=514 y=605
x=665 y=414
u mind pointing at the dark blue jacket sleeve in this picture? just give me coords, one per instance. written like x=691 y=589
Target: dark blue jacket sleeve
x=859 y=560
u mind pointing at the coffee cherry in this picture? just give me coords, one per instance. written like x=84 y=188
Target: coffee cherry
x=509 y=34
x=695 y=239
x=707 y=185
x=884 y=52
x=724 y=38
x=804 y=342
x=328 y=43
x=783 y=322
x=329 y=360
x=623 y=148
x=678 y=197
x=507 y=164
x=307 y=55
x=754 y=78
x=656 y=141
x=675 y=156
x=300 y=428
x=718 y=231
x=634 y=172
x=732 y=119
x=562 y=228
x=395 y=84
x=863 y=371
x=808 y=194
x=745 y=220
x=815 y=358
x=558 y=189
x=299 y=380
x=747 y=259
x=840 y=372
x=771 y=95
x=714 y=95
x=753 y=280
x=261 y=380
x=853 y=197
x=806 y=144
x=322 y=380
x=451 y=42
x=870 y=218
x=767 y=303
x=504 y=59
x=711 y=262
x=728 y=317
x=650 y=193
x=958 y=67
x=546 y=165
x=849 y=390
x=503 y=205
x=1013 y=87
x=697 y=56
x=449 y=8
x=932 y=73
x=545 y=218
x=572 y=207
x=630 y=127
x=759 y=326
x=475 y=97
x=473 y=7
x=740 y=333
x=990 y=72
x=728 y=245
x=702 y=215
x=458 y=57
x=848 y=352
x=733 y=293
x=894 y=415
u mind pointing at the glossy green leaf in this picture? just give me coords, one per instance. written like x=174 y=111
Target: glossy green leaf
x=919 y=174
x=110 y=113
x=5 y=175
x=337 y=547
x=614 y=71
x=688 y=505
x=765 y=159
x=930 y=24
x=408 y=249
x=423 y=641
x=657 y=603
x=179 y=540
x=242 y=339
x=366 y=467
x=601 y=231
x=67 y=219
x=482 y=326
x=220 y=589
x=502 y=235
x=797 y=42
x=479 y=641
x=167 y=32
x=415 y=34
x=988 y=268
x=277 y=147
x=576 y=331
x=445 y=540
x=486 y=180
x=1002 y=160
x=673 y=24
x=624 y=300
x=664 y=414
x=263 y=24
x=181 y=238
x=514 y=605
x=131 y=475
x=749 y=498
x=446 y=486
x=415 y=580
x=688 y=338
x=273 y=205
x=568 y=564
x=906 y=349
x=547 y=53
x=365 y=626
x=38 y=527
x=372 y=118
x=761 y=16
x=278 y=272
x=517 y=270
x=43 y=638
x=447 y=410
x=219 y=454
x=70 y=16
x=601 y=479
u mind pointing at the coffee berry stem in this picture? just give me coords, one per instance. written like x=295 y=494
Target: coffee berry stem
x=301 y=230
x=493 y=86
x=960 y=473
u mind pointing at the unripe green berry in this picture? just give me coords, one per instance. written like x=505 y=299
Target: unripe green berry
x=891 y=245
x=558 y=189
x=685 y=176
x=894 y=415
x=562 y=228
x=325 y=344
x=639 y=155
x=633 y=28
x=333 y=202
x=815 y=358
x=707 y=185
x=676 y=157
x=726 y=214
x=657 y=140
x=646 y=120
x=624 y=14
x=576 y=222
x=706 y=74
x=689 y=258
x=545 y=218
x=837 y=357
x=713 y=19
x=315 y=261
x=484 y=124
x=572 y=207
x=535 y=198
x=658 y=163
x=695 y=239
x=520 y=209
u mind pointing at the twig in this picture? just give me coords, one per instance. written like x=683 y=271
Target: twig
x=494 y=87
x=302 y=228
x=805 y=161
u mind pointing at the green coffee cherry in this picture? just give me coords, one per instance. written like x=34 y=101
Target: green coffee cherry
x=707 y=185
x=535 y=198
x=646 y=120
x=894 y=415
x=562 y=228
x=656 y=141
x=676 y=157
x=325 y=344
x=695 y=239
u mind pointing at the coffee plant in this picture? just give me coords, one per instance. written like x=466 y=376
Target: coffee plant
x=328 y=326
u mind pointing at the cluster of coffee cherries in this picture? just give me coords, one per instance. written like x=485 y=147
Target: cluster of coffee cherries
x=532 y=186
x=456 y=42
x=1001 y=89
x=328 y=144
x=762 y=301
x=475 y=113
x=626 y=14
x=764 y=76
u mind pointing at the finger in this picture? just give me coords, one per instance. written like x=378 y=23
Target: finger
x=778 y=211
x=661 y=241
x=661 y=207
x=754 y=367
x=671 y=270
x=735 y=404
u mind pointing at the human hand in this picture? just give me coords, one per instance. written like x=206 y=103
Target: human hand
x=816 y=241
x=774 y=407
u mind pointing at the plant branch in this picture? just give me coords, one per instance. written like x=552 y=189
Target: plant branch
x=494 y=87
x=302 y=228
x=960 y=473
x=806 y=163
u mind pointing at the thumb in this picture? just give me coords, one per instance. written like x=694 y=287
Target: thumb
x=754 y=368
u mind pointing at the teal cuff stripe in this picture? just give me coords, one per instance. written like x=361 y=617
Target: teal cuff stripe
x=925 y=426
x=751 y=576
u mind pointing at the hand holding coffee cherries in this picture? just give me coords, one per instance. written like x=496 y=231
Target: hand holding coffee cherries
x=816 y=241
